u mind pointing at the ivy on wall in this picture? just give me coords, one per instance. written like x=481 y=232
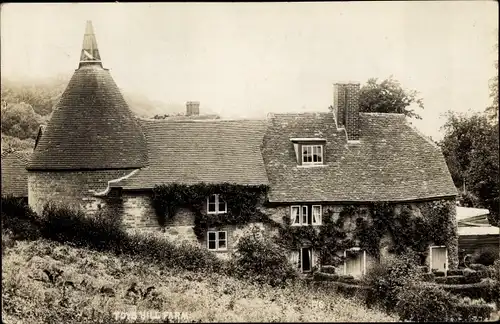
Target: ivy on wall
x=365 y=228
x=242 y=203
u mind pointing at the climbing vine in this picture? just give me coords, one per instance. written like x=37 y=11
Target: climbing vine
x=242 y=203
x=366 y=227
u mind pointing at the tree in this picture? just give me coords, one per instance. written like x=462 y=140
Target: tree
x=470 y=147
x=492 y=110
x=20 y=120
x=389 y=97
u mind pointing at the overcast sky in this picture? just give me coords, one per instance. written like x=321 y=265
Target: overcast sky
x=248 y=59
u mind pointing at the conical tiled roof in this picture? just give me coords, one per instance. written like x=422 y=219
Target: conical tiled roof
x=91 y=127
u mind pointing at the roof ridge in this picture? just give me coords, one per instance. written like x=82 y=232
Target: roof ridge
x=196 y=120
x=381 y=114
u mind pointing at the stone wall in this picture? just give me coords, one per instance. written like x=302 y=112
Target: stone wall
x=70 y=188
x=277 y=213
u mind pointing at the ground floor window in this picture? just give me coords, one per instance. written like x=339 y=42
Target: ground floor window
x=217 y=240
x=355 y=262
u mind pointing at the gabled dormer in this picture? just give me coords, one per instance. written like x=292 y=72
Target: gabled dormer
x=309 y=151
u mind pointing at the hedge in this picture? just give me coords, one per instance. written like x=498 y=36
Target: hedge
x=486 y=289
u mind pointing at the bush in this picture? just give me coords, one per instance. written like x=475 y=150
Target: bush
x=104 y=233
x=322 y=276
x=20 y=219
x=387 y=278
x=425 y=304
x=486 y=256
x=256 y=257
x=486 y=289
x=66 y=225
x=456 y=272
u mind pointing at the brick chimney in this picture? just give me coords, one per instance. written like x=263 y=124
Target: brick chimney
x=346 y=108
x=192 y=108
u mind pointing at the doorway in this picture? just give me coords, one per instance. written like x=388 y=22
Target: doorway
x=306 y=259
x=438 y=256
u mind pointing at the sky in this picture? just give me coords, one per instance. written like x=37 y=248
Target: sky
x=245 y=60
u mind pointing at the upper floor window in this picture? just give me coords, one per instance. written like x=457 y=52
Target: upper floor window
x=306 y=215
x=216 y=205
x=312 y=154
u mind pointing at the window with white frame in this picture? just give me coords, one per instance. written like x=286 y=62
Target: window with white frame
x=316 y=215
x=216 y=205
x=305 y=215
x=217 y=240
x=312 y=154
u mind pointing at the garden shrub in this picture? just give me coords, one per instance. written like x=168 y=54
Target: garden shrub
x=451 y=280
x=425 y=303
x=486 y=289
x=486 y=256
x=70 y=226
x=258 y=258
x=20 y=219
x=323 y=276
x=328 y=269
x=388 y=277
x=428 y=277
x=478 y=266
x=456 y=272
x=66 y=225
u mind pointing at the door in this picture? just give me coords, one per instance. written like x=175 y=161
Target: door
x=355 y=264
x=439 y=258
x=306 y=258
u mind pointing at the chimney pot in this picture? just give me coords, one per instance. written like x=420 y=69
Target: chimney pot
x=192 y=108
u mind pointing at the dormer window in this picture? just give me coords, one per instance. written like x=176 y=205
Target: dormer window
x=309 y=151
x=216 y=205
x=312 y=154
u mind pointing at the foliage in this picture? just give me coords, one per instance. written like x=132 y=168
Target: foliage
x=492 y=110
x=486 y=256
x=69 y=226
x=20 y=219
x=201 y=297
x=21 y=121
x=470 y=147
x=258 y=258
x=10 y=144
x=406 y=230
x=242 y=203
x=389 y=97
x=427 y=303
x=487 y=289
x=387 y=278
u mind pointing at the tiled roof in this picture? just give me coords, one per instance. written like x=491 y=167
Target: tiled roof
x=392 y=161
x=91 y=127
x=210 y=151
x=14 y=174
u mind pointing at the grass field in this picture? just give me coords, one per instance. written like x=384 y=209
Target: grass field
x=92 y=286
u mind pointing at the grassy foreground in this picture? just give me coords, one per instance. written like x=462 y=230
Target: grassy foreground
x=47 y=282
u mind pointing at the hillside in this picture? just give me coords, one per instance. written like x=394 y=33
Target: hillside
x=93 y=285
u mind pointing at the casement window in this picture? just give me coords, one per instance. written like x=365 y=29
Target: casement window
x=217 y=240
x=305 y=215
x=312 y=154
x=216 y=205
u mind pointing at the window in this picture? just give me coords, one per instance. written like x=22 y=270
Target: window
x=306 y=215
x=316 y=214
x=215 y=205
x=312 y=154
x=217 y=240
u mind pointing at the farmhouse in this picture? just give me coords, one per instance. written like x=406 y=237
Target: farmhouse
x=205 y=180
